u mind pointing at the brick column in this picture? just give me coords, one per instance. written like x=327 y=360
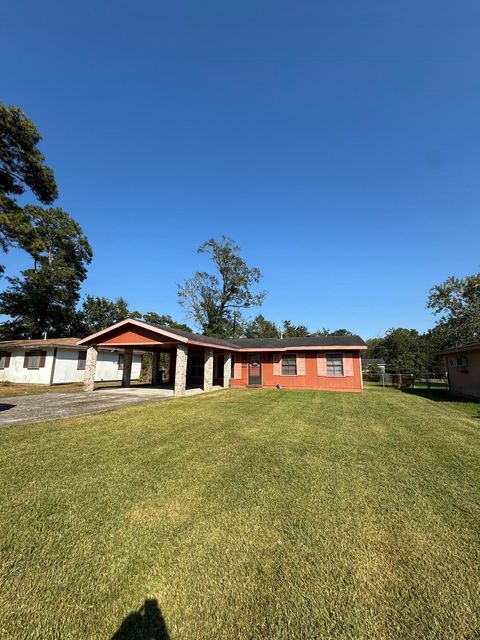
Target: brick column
x=208 y=370
x=90 y=367
x=127 y=367
x=181 y=370
x=227 y=369
x=155 y=365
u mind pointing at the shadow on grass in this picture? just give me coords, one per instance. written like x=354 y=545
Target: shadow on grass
x=145 y=624
x=441 y=395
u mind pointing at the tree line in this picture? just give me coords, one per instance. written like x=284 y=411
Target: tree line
x=45 y=299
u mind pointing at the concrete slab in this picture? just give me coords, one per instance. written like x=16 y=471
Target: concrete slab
x=50 y=406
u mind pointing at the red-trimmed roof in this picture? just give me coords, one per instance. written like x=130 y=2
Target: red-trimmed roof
x=241 y=344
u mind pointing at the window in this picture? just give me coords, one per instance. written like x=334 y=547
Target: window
x=334 y=364
x=289 y=365
x=4 y=359
x=121 y=361
x=35 y=359
x=195 y=365
x=458 y=362
x=82 y=357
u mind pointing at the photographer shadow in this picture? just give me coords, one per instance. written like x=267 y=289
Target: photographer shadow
x=145 y=624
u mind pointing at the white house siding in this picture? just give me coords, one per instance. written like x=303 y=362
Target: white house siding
x=66 y=368
x=16 y=372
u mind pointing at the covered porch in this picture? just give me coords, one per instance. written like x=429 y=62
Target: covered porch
x=193 y=365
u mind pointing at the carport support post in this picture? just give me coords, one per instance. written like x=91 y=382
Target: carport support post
x=208 y=370
x=227 y=369
x=127 y=367
x=181 y=370
x=90 y=366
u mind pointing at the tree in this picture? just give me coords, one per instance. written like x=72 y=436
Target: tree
x=260 y=327
x=404 y=351
x=290 y=330
x=214 y=300
x=337 y=332
x=164 y=321
x=457 y=303
x=43 y=301
x=97 y=313
x=21 y=167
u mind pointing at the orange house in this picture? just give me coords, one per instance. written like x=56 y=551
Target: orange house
x=315 y=362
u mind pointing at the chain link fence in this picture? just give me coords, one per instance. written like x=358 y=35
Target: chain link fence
x=401 y=380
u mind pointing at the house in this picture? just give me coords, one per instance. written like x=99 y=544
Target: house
x=57 y=361
x=316 y=362
x=378 y=364
x=463 y=366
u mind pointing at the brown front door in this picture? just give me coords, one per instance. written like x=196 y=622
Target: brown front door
x=254 y=369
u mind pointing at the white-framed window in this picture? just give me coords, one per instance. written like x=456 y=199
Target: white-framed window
x=289 y=364
x=334 y=364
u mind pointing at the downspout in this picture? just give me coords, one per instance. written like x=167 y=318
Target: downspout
x=52 y=372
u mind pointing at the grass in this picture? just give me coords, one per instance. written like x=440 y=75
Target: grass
x=244 y=514
x=11 y=389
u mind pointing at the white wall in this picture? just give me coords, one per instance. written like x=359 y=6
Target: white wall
x=16 y=372
x=66 y=368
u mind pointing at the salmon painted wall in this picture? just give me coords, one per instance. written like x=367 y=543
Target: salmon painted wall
x=311 y=379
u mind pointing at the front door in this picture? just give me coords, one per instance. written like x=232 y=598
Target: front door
x=254 y=369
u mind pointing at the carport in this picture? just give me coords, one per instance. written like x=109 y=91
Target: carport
x=194 y=360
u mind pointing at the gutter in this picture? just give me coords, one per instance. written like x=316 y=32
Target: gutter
x=52 y=373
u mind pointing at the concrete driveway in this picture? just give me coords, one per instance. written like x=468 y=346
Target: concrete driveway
x=49 y=406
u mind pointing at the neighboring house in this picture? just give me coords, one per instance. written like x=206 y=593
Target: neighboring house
x=374 y=363
x=57 y=361
x=463 y=366
x=317 y=362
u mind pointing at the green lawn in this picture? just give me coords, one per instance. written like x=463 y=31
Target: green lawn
x=245 y=514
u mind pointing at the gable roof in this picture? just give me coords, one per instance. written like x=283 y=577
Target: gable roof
x=238 y=344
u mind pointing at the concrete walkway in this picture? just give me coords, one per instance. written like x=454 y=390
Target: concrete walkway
x=49 y=406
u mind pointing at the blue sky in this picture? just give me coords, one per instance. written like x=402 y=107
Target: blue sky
x=338 y=142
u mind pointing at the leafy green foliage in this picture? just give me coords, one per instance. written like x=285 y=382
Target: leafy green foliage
x=164 y=321
x=290 y=330
x=457 y=303
x=336 y=332
x=404 y=350
x=21 y=167
x=214 y=300
x=260 y=327
x=43 y=300
x=97 y=313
